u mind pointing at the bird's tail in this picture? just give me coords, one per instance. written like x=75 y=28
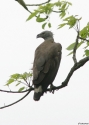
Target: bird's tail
x=37 y=93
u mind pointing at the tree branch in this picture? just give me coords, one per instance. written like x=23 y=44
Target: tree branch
x=14 y=91
x=83 y=39
x=38 y=4
x=74 y=68
x=75 y=47
x=57 y=11
x=18 y=100
x=25 y=81
x=63 y=84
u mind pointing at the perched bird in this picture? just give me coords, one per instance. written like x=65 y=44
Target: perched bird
x=46 y=63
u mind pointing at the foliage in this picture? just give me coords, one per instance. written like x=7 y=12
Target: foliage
x=19 y=79
x=42 y=15
x=43 y=12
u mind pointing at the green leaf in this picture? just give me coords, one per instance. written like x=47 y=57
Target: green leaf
x=87 y=43
x=9 y=81
x=58 y=4
x=38 y=19
x=15 y=76
x=71 y=21
x=63 y=6
x=32 y=15
x=70 y=53
x=48 y=8
x=69 y=3
x=21 y=2
x=83 y=32
x=49 y=25
x=79 y=44
x=87 y=52
x=71 y=46
x=22 y=88
x=24 y=75
x=62 y=14
x=17 y=84
x=61 y=25
x=43 y=25
x=29 y=74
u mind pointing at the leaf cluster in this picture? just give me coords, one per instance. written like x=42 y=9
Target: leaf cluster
x=19 y=79
x=42 y=13
x=83 y=40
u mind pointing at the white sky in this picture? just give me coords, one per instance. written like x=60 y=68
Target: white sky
x=69 y=105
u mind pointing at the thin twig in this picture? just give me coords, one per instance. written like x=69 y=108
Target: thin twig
x=38 y=4
x=22 y=82
x=76 y=43
x=83 y=39
x=13 y=91
x=75 y=48
x=57 y=11
x=17 y=100
x=25 y=80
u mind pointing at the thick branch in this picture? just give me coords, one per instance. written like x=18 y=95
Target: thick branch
x=38 y=4
x=74 y=68
x=82 y=62
x=17 y=100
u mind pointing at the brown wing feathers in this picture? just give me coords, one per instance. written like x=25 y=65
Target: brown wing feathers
x=46 y=63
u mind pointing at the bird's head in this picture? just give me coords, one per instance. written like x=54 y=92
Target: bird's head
x=45 y=35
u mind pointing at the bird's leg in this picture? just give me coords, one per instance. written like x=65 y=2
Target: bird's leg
x=51 y=88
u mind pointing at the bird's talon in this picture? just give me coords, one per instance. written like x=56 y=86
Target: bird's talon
x=51 y=88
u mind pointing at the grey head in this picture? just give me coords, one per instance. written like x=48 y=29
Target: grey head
x=45 y=35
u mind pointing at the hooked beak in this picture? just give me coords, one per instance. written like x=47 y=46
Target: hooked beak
x=38 y=36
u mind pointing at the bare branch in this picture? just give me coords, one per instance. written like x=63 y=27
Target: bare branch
x=17 y=100
x=83 y=39
x=82 y=62
x=14 y=91
x=38 y=4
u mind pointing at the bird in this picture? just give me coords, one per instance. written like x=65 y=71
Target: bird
x=46 y=63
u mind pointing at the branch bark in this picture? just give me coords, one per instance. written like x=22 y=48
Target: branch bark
x=74 y=68
x=83 y=39
x=38 y=4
